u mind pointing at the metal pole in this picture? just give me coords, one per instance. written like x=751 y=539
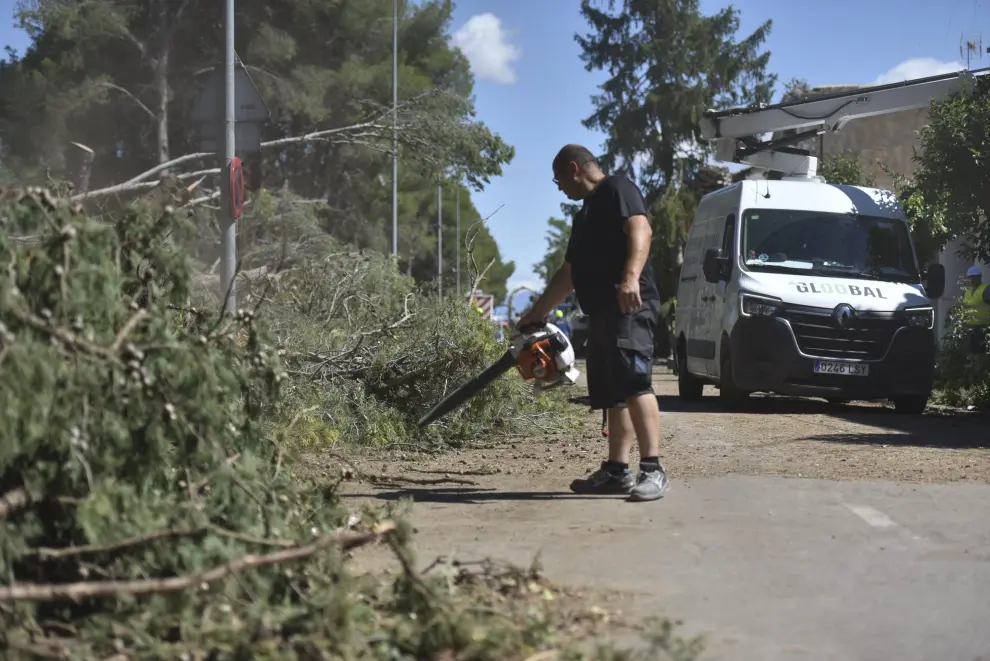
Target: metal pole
x=395 y=153
x=228 y=234
x=457 y=224
x=439 y=238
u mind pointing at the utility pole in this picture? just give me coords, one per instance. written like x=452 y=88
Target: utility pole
x=395 y=152
x=228 y=234
x=439 y=238
x=457 y=247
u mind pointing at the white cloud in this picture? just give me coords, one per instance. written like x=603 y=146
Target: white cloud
x=486 y=45
x=920 y=67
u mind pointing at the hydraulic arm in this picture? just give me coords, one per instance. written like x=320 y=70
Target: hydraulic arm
x=737 y=132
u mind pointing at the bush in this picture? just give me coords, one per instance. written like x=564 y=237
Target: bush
x=145 y=511
x=373 y=358
x=845 y=169
x=961 y=378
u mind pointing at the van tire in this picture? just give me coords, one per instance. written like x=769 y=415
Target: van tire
x=911 y=405
x=728 y=393
x=689 y=387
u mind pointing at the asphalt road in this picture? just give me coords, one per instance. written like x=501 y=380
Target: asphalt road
x=879 y=562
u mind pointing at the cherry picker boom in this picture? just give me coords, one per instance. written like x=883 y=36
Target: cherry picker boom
x=736 y=132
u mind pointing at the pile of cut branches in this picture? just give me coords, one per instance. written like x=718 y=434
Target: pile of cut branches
x=145 y=511
x=962 y=378
x=367 y=351
x=370 y=354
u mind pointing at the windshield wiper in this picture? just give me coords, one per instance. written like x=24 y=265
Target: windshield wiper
x=770 y=266
x=877 y=273
x=851 y=271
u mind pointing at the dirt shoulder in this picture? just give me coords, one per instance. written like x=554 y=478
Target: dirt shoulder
x=773 y=436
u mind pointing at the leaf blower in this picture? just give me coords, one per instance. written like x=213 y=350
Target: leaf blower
x=541 y=354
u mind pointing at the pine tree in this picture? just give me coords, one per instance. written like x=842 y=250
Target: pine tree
x=668 y=64
x=121 y=77
x=558 y=234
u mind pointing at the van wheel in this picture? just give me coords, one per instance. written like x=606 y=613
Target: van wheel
x=689 y=387
x=727 y=390
x=911 y=405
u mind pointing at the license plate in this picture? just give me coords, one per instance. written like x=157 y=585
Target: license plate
x=846 y=369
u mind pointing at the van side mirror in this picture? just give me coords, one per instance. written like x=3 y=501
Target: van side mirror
x=714 y=265
x=935 y=281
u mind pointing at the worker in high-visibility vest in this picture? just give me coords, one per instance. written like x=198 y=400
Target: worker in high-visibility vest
x=976 y=310
x=562 y=323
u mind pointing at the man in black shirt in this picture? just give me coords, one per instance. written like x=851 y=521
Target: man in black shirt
x=608 y=267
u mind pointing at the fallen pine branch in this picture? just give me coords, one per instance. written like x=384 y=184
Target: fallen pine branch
x=386 y=480
x=88 y=589
x=141 y=185
x=376 y=127
x=88 y=549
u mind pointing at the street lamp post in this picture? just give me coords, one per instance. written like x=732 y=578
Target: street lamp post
x=439 y=238
x=228 y=236
x=457 y=230
x=395 y=152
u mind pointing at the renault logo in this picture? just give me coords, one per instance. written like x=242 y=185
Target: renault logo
x=844 y=315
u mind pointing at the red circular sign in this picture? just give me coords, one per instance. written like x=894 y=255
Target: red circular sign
x=236 y=188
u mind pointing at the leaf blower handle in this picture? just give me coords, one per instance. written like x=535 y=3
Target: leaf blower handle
x=531 y=327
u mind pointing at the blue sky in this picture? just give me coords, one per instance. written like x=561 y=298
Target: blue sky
x=541 y=107
x=533 y=90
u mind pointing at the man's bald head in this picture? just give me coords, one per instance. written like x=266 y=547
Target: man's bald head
x=577 y=154
x=575 y=171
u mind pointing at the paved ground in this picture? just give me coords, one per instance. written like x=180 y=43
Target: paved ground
x=795 y=531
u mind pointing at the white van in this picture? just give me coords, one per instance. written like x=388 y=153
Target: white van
x=804 y=288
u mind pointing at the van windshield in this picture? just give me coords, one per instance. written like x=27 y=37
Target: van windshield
x=830 y=244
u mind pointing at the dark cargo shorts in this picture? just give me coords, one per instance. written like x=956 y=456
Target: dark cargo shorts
x=619 y=358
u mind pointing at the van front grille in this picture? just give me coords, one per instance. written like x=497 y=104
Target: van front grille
x=818 y=335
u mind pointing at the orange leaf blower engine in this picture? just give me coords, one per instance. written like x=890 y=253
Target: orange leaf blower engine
x=542 y=355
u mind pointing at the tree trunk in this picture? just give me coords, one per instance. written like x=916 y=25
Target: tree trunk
x=160 y=68
x=161 y=110
x=665 y=160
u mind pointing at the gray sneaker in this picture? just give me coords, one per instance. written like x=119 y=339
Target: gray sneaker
x=650 y=485
x=603 y=481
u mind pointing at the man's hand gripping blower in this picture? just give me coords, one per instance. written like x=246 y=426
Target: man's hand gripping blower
x=541 y=354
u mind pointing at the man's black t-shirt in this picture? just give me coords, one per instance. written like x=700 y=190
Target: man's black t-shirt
x=598 y=246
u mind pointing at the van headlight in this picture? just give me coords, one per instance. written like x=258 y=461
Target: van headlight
x=751 y=305
x=920 y=317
